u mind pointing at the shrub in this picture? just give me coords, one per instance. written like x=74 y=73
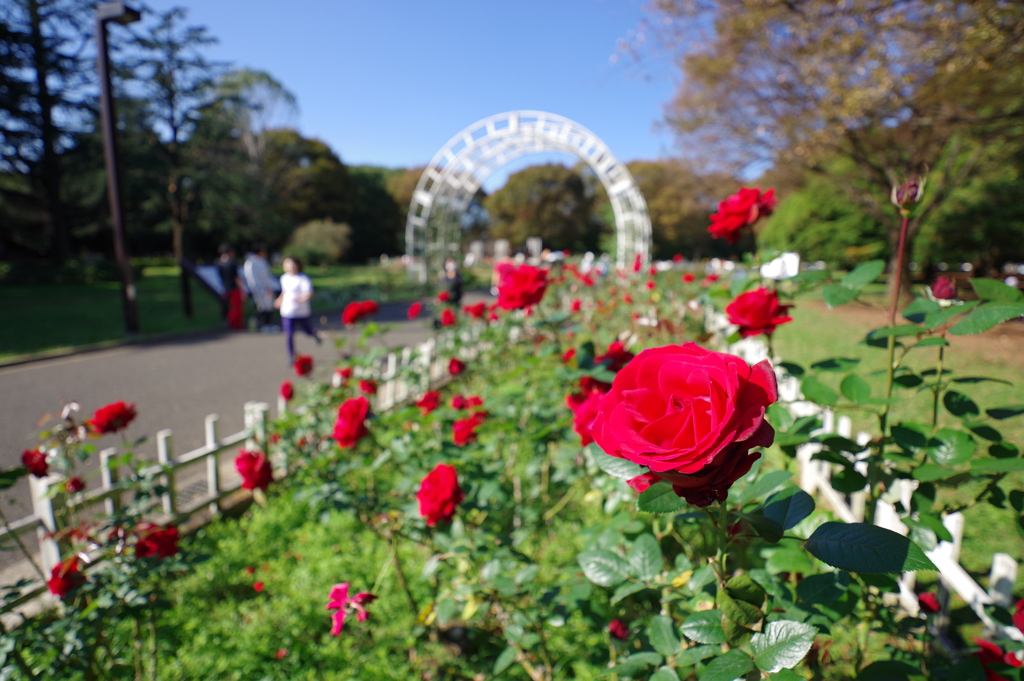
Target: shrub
x=320 y=242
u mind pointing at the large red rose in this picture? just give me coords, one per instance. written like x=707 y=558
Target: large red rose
x=680 y=408
x=65 y=577
x=439 y=494
x=112 y=418
x=154 y=540
x=350 y=426
x=35 y=461
x=740 y=210
x=757 y=312
x=520 y=286
x=429 y=402
x=254 y=468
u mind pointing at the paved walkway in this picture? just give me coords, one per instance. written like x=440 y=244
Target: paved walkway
x=173 y=384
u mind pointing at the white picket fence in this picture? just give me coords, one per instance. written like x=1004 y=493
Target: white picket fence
x=815 y=479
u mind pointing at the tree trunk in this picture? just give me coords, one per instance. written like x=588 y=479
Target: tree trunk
x=178 y=245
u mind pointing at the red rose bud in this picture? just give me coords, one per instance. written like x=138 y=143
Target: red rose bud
x=448 y=317
x=648 y=417
x=65 y=577
x=464 y=431
x=258 y=586
x=638 y=262
x=303 y=365
x=112 y=418
x=618 y=629
x=757 y=312
x=520 y=286
x=907 y=194
x=456 y=366
x=576 y=305
x=439 y=495
x=35 y=461
x=287 y=391
x=944 y=289
x=688 y=278
x=345 y=373
x=443 y=296
x=429 y=402
x=74 y=485
x=458 y=402
x=928 y=603
x=740 y=210
x=476 y=311
x=628 y=299
x=154 y=540
x=568 y=355
x=677 y=258
x=367 y=386
x=281 y=653
x=350 y=426
x=414 y=310
x=254 y=469
x=650 y=285
x=474 y=401
x=652 y=270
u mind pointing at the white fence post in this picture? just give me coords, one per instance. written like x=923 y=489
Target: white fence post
x=165 y=457
x=109 y=477
x=212 y=461
x=1001 y=579
x=42 y=506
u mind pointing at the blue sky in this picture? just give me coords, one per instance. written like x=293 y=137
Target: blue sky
x=388 y=82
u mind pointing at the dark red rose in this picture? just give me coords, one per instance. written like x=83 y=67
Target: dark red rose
x=757 y=312
x=414 y=310
x=989 y=653
x=688 y=278
x=65 y=577
x=740 y=210
x=638 y=262
x=464 y=431
x=367 y=386
x=677 y=258
x=303 y=365
x=443 y=296
x=35 y=461
x=439 y=494
x=345 y=373
x=350 y=426
x=281 y=653
x=429 y=402
x=589 y=385
x=616 y=356
x=928 y=603
x=258 y=587
x=628 y=299
x=357 y=311
x=458 y=402
x=456 y=366
x=154 y=540
x=652 y=270
x=474 y=401
x=112 y=418
x=287 y=391
x=618 y=629
x=520 y=286
x=448 y=317
x=650 y=285
x=690 y=415
x=944 y=289
x=74 y=485
x=476 y=311
x=576 y=305
x=1018 y=614
x=568 y=355
x=254 y=468
x=584 y=415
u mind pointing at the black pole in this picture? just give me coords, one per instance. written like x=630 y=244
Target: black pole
x=115 y=11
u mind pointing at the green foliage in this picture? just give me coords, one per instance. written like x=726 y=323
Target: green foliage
x=320 y=242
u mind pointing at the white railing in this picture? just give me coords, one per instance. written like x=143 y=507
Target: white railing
x=44 y=517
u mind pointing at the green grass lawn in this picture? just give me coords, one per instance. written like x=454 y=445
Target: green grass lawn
x=817 y=334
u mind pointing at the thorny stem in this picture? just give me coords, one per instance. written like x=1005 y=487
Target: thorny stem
x=721 y=557
x=21 y=545
x=897 y=284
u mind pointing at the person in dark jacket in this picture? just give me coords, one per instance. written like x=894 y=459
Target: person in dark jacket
x=228 y=269
x=453 y=280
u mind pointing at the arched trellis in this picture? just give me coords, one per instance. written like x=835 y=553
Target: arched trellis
x=457 y=171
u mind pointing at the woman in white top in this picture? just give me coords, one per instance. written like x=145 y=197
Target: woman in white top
x=296 y=292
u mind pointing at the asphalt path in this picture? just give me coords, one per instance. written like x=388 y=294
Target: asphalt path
x=173 y=384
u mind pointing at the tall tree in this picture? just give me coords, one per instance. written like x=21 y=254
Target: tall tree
x=43 y=101
x=900 y=88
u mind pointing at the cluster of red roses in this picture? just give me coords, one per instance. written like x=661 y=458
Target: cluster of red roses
x=357 y=311
x=740 y=210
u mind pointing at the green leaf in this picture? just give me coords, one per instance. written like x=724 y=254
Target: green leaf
x=789 y=507
x=662 y=634
x=824 y=588
x=916 y=311
x=997 y=466
x=602 y=567
x=613 y=465
x=816 y=391
x=855 y=389
x=763 y=486
x=863 y=274
x=790 y=560
x=634 y=664
x=836 y=295
x=11 y=476
x=704 y=627
x=934 y=341
x=505 y=660
x=741 y=600
x=939 y=317
x=910 y=435
x=659 y=498
x=645 y=557
x=986 y=317
x=950 y=447
x=993 y=289
x=783 y=645
x=889 y=670
x=859 y=547
x=785 y=675
x=792 y=369
x=695 y=654
x=836 y=364
x=665 y=674
x=445 y=610
x=960 y=405
x=978 y=379
x=625 y=590
x=769 y=530
x=899 y=330
x=728 y=667
x=931 y=472
x=848 y=481
x=1001 y=413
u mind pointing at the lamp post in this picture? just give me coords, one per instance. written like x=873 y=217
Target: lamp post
x=119 y=13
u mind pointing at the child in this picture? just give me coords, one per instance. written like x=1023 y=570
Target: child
x=296 y=292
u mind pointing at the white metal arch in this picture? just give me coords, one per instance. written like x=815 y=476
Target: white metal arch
x=462 y=165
